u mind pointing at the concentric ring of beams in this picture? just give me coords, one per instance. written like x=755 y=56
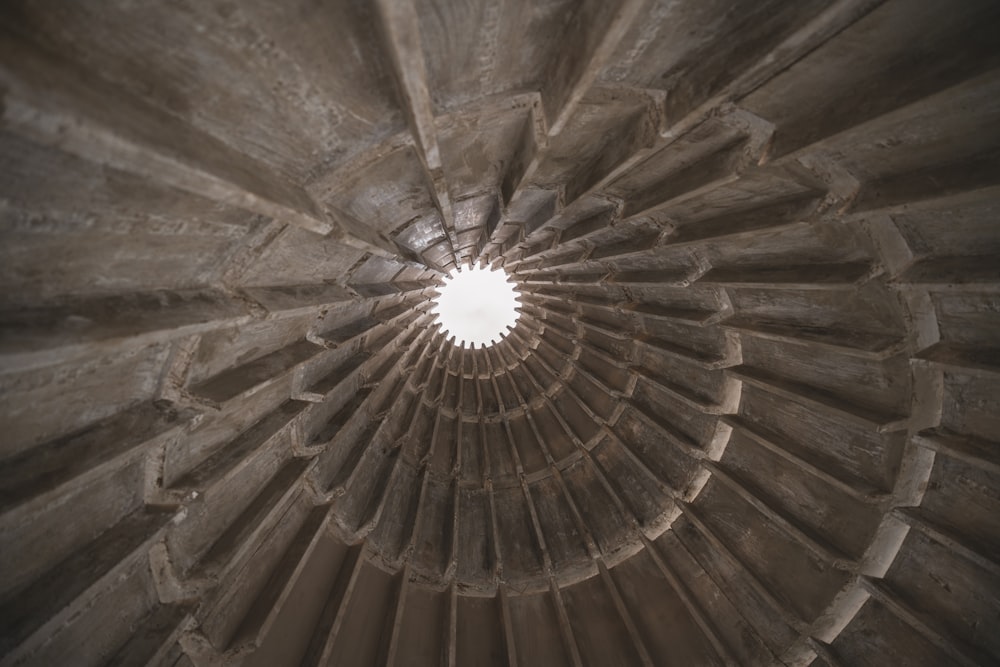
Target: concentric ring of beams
x=752 y=390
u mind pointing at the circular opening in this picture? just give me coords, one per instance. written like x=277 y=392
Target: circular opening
x=477 y=305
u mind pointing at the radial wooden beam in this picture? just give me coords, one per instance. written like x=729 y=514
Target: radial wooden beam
x=784 y=613
x=814 y=33
x=625 y=615
x=923 y=624
x=400 y=31
x=590 y=41
x=392 y=652
x=53 y=102
x=690 y=602
x=565 y=627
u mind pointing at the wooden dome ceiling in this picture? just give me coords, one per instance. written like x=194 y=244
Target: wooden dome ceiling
x=747 y=415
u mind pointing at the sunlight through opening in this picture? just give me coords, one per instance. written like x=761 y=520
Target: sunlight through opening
x=476 y=306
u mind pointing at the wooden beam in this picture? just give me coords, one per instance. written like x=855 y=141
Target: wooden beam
x=588 y=44
x=508 y=626
x=565 y=627
x=54 y=102
x=625 y=615
x=920 y=622
x=590 y=41
x=816 y=545
x=452 y=627
x=814 y=33
x=397 y=617
x=784 y=614
x=690 y=603
x=345 y=593
x=401 y=36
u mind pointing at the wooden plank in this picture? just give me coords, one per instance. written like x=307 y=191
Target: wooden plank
x=401 y=35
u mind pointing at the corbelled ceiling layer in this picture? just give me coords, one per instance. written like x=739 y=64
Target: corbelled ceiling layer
x=748 y=414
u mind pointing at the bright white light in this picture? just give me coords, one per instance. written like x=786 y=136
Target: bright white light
x=476 y=306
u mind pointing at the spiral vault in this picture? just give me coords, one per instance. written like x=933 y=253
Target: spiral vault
x=747 y=414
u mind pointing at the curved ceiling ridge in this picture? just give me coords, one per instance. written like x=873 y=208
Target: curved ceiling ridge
x=746 y=414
